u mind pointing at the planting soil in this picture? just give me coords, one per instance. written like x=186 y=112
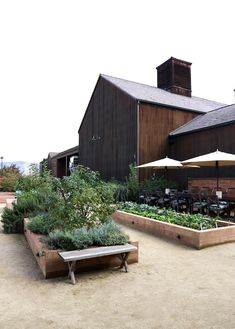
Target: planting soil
x=172 y=286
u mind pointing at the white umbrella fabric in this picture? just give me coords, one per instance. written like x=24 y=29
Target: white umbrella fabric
x=214 y=159
x=165 y=163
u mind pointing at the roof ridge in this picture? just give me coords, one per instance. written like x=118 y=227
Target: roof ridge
x=220 y=108
x=139 y=83
x=163 y=90
x=155 y=95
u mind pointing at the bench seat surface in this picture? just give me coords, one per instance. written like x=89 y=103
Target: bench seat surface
x=96 y=252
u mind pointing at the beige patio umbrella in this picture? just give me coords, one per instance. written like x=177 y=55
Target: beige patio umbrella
x=215 y=159
x=165 y=163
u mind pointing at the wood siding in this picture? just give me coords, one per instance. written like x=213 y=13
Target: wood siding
x=198 y=143
x=155 y=124
x=108 y=133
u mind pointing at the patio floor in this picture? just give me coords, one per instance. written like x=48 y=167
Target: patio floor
x=172 y=286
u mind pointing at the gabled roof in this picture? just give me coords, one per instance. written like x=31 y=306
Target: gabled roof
x=221 y=116
x=159 y=96
x=52 y=154
x=72 y=151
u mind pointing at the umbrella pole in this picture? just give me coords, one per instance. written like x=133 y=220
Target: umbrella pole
x=166 y=174
x=217 y=174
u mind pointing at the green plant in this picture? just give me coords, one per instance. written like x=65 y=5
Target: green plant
x=120 y=190
x=157 y=183
x=82 y=199
x=132 y=182
x=9 y=178
x=77 y=239
x=12 y=219
x=196 y=221
x=12 y=169
x=108 y=235
x=9 y=182
x=39 y=224
x=39 y=178
x=103 y=235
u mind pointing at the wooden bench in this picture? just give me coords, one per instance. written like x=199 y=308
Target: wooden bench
x=72 y=257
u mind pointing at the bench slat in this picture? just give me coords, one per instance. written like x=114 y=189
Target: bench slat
x=96 y=252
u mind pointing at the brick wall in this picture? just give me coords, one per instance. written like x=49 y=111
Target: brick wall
x=226 y=184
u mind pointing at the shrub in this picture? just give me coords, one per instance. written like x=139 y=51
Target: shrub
x=82 y=199
x=39 y=224
x=157 y=183
x=10 y=176
x=108 y=235
x=12 y=169
x=83 y=238
x=38 y=179
x=120 y=190
x=12 y=219
x=35 y=197
x=60 y=240
x=133 y=182
x=104 y=235
x=9 y=182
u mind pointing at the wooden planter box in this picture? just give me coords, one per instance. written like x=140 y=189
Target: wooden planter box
x=52 y=265
x=190 y=237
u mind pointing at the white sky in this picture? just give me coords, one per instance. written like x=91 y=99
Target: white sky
x=52 y=52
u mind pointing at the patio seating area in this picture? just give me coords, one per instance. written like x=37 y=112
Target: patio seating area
x=197 y=200
x=211 y=201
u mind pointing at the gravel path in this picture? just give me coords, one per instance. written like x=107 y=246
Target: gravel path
x=172 y=286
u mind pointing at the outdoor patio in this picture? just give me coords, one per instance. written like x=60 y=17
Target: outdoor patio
x=172 y=286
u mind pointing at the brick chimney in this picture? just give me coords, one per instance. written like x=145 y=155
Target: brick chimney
x=174 y=76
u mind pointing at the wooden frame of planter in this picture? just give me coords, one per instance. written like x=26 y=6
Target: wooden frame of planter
x=52 y=265
x=190 y=237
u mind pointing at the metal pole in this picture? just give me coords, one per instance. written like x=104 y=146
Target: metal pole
x=217 y=174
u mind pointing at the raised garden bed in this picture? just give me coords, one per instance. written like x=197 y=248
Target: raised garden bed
x=190 y=237
x=52 y=265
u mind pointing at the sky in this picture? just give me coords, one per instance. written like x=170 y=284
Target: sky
x=52 y=52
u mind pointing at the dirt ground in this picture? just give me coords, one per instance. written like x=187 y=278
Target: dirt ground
x=172 y=287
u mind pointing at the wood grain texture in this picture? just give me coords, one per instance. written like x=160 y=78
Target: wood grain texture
x=108 y=133
x=155 y=124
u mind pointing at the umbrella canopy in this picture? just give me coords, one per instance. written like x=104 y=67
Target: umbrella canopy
x=215 y=159
x=165 y=163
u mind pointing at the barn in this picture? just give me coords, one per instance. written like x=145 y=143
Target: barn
x=128 y=122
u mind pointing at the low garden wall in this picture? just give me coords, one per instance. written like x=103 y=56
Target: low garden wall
x=190 y=237
x=52 y=265
x=6 y=197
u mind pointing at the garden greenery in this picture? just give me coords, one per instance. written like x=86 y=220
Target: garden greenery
x=82 y=199
x=132 y=187
x=9 y=178
x=72 y=212
x=195 y=221
x=107 y=234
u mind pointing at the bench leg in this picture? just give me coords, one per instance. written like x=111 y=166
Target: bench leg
x=123 y=258
x=72 y=267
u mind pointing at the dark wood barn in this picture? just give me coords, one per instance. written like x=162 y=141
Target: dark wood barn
x=206 y=133
x=128 y=122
